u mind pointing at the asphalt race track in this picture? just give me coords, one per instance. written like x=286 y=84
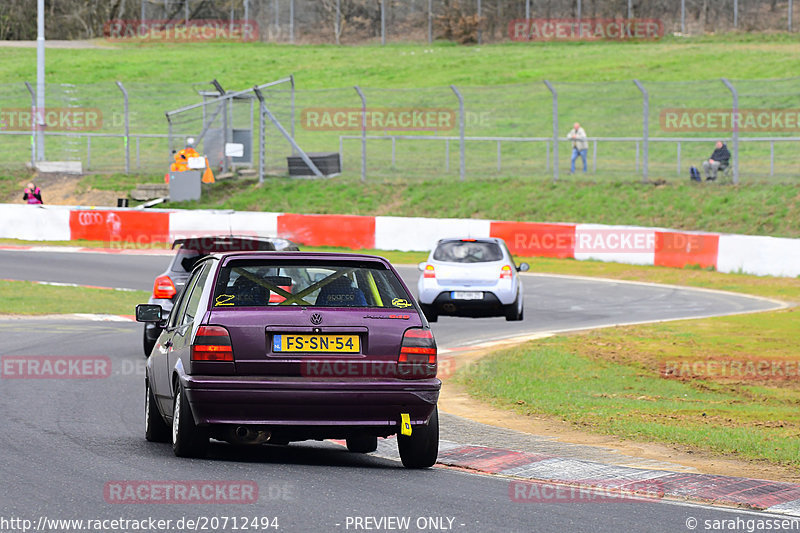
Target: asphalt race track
x=65 y=442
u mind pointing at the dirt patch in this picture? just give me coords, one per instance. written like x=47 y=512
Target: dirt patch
x=63 y=189
x=455 y=400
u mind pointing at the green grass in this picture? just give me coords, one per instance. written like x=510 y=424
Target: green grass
x=756 y=209
x=26 y=298
x=239 y=65
x=608 y=381
x=501 y=83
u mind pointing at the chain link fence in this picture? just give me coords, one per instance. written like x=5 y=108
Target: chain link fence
x=359 y=21
x=637 y=130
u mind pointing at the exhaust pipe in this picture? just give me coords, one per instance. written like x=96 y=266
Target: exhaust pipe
x=246 y=435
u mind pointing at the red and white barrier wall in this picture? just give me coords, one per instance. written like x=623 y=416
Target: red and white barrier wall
x=623 y=244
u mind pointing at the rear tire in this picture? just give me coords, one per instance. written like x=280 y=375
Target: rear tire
x=515 y=311
x=188 y=440
x=429 y=312
x=421 y=448
x=147 y=344
x=362 y=443
x=155 y=429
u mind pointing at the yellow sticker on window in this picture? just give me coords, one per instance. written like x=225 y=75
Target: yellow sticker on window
x=400 y=302
x=224 y=299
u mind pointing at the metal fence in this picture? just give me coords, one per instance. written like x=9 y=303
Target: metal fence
x=515 y=131
x=352 y=21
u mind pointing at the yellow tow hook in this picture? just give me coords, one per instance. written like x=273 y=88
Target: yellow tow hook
x=405 y=424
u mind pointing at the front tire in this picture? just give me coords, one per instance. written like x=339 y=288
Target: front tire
x=188 y=440
x=155 y=429
x=421 y=448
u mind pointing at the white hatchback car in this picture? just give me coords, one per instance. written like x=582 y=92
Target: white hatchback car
x=471 y=277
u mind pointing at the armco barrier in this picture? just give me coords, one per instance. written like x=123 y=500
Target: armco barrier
x=625 y=244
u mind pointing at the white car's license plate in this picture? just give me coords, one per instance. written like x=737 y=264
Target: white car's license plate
x=466 y=295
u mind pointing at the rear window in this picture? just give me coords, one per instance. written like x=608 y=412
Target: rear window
x=261 y=283
x=467 y=252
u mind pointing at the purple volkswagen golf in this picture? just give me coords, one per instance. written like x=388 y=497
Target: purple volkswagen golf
x=268 y=348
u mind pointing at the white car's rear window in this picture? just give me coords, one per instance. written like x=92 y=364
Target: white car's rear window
x=468 y=252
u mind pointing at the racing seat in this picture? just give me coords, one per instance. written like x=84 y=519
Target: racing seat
x=248 y=292
x=341 y=293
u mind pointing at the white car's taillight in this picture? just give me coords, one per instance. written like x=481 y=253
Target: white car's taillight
x=429 y=272
x=505 y=272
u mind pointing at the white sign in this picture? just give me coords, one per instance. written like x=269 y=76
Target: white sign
x=197 y=163
x=234 y=150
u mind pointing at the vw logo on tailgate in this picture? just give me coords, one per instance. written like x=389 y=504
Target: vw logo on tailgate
x=316 y=318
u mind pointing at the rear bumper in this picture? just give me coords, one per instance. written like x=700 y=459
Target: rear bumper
x=489 y=305
x=300 y=402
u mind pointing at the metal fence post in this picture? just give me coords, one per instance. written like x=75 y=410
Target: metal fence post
x=363 y=133
x=127 y=128
x=527 y=9
x=291 y=81
x=480 y=32
x=555 y=129
x=430 y=21
x=337 y=24
x=683 y=16
x=462 y=162
x=790 y=15
x=262 y=144
x=33 y=124
x=735 y=13
x=630 y=8
x=735 y=121
x=383 y=22
x=645 y=129
x=291 y=21
x=579 y=9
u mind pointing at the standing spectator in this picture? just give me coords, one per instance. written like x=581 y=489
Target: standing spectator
x=718 y=161
x=33 y=194
x=579 y=146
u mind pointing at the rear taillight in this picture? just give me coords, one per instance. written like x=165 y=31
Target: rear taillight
x=429 y=272
x=419 y=347
x=505 y=272
x=164 y=288
x=212 y=343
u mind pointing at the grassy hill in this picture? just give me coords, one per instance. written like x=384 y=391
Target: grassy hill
x=517 y=102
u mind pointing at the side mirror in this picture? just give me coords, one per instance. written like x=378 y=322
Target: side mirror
x=522 y=267
x=422 y=266
x=148 y=313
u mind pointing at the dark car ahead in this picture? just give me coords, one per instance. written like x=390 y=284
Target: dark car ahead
x=277 y=347
x=169 y=284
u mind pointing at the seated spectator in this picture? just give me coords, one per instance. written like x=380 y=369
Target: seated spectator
x=718 y=161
